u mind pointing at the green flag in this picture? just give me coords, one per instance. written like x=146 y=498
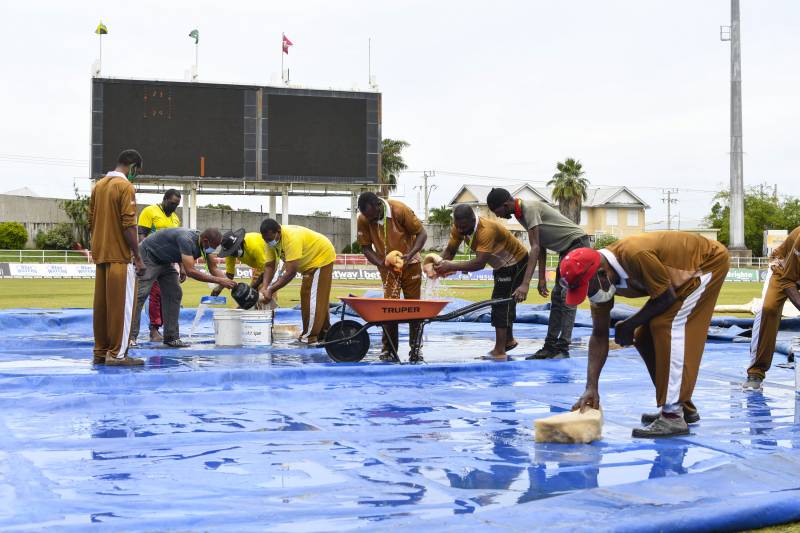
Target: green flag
x=101 y=29
x=195 y=35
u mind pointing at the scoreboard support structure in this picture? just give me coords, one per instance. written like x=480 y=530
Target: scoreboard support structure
x=192 y=188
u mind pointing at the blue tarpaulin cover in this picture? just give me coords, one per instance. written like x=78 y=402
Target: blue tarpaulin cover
x=278 y=438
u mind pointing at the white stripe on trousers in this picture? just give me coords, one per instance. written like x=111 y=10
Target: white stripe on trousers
x=312 y=306
x=130 y=301
x=677 y=348
x=757 y=321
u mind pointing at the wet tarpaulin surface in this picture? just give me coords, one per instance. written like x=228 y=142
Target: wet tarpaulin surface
x=279 y=439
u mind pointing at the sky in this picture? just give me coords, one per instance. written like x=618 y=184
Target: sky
x=484 y=92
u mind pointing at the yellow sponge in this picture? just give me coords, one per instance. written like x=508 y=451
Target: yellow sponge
x=569 y=428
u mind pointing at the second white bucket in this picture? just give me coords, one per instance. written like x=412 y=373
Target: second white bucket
x=228 y=327
x=256 y=328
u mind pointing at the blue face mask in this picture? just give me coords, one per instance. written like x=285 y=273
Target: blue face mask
x=273 y=243
x=210 y=251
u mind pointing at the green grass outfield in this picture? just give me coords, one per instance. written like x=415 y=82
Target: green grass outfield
x=57 y=293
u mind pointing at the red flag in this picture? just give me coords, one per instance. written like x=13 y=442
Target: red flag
x=286 y=44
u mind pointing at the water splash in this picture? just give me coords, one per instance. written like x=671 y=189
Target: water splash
x=201 y=310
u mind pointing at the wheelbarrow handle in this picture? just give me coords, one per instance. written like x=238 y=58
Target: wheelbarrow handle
x=470 y=308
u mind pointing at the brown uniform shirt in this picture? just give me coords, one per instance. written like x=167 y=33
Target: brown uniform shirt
x=112 y=208
x=397 y=231
x=493 y=238
x=650 y=263
x=785 y=261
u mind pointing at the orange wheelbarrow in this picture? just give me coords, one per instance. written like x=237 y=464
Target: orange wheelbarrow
x=347 y=341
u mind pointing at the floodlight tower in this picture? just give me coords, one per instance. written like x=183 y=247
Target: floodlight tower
x=732 y=33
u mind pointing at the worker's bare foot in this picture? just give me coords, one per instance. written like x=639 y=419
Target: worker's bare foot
x=155 y=336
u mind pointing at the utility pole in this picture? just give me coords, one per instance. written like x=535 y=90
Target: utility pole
x=669 y=200
x=732 y=33
x=426 y=191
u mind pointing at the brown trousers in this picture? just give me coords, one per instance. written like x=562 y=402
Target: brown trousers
x=765 y=327
x=409 y=282
x=315 y=297
x=114 y=298
x=672 y=343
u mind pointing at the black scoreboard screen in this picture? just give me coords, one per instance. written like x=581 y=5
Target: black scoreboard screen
x=213 y=131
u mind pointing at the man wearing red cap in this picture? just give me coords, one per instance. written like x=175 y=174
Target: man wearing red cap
x=681 y=274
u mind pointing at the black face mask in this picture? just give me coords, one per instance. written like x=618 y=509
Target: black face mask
x=169 y=209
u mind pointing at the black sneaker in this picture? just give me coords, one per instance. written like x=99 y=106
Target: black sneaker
x=691 y=417
x=415 y=358
x=387 y=357
x=176 y=343
x=752 y=383
x=662 y=427
x=548 y=354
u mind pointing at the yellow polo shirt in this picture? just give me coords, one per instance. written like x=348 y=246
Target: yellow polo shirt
x=309 y=248
x=154 y=218
x=255 y=255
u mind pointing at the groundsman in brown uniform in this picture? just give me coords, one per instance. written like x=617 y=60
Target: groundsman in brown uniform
x=495 y=245
x=781 y=284
x=681 y=274
x=385 y=226
x=112 y=221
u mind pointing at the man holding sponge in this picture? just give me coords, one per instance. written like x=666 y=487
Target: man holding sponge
x=391 y=236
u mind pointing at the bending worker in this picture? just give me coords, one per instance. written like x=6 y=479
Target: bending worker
x=112 y=221
x=160 y=252
x=681 y=274
x=151 y=219
x=385 y=226
x=547 y=230
x=250 y=249
x=493 y=244
x=312 y=255
x=781 y=284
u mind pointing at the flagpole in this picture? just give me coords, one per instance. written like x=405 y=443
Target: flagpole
x=196 y=55
x=283 y=79
x=100 y=59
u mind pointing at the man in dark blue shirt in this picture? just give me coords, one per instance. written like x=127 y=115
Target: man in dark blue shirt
x=169 y=257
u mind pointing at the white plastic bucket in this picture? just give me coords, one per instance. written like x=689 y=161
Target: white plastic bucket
x=228 y=327
x=256 y=328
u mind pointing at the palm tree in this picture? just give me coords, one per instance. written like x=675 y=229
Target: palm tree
x=569 y=188
x=391 y=164
x=441 y=215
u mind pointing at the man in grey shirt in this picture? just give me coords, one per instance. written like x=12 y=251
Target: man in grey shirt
x=547 y=230
x=161 y=251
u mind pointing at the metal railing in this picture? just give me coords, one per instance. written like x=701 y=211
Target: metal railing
x=355 y=260
x=45 y=256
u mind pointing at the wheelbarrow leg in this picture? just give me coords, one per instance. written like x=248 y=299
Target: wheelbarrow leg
x=392 y=347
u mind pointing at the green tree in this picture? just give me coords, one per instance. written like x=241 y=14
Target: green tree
x=441 y=215
x=13 y=236
x=601 y=241
x=762 y=211
x=353 y=248
x=60 y=237
x=78 y=212
x=224 y=207
x=392 y=164
x=569 y=188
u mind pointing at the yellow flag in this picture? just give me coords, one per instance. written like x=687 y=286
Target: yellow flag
x=101 y=29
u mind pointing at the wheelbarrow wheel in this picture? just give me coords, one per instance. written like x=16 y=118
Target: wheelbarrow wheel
x=346 y=351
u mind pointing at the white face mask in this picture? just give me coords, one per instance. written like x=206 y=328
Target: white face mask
x=601 y=296
x=273 y=243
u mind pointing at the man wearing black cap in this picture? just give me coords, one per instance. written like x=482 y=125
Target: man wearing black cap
x=249 y=249
x=160 y=251
x=547 y=230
